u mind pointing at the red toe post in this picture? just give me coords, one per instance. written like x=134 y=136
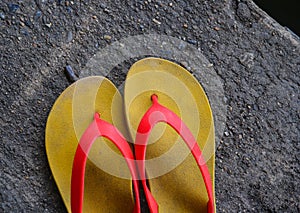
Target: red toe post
x=98 y=128
x=158 y=113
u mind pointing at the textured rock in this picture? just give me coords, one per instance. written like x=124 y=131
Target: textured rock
x=257 y=166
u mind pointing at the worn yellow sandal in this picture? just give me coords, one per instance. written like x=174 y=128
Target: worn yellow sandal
x=90 y=160
x=170 y=118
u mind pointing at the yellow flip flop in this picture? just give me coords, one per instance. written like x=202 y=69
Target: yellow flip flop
x=91 y=162
x=170 y=118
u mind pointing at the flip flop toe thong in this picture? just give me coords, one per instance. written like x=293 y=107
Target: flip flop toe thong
x=170 y=118
x=90 y=160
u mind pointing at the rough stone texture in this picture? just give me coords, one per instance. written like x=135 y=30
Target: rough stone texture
x=257 y=166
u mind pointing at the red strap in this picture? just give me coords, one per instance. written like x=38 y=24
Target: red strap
x=158 y=113
x=96 y=129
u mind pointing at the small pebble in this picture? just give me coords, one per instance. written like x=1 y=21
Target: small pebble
x=192 y=41
x=70 y=74
x=37 y=15
x=217 y=28
x=243 y=12
x=13 y=7
x=195 y=27
x=69 y=36
x=103 y=5
x=226 y=134
x=2 y=16
x=156 y=21
x=247 y=59
x=184 y=64
x=107 y=37
x=185 y=26
x=255 y=107
x=49 y=25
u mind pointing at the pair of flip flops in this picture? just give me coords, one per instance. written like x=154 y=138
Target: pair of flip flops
x=167 y=116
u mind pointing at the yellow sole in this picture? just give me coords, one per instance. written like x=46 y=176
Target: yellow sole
x=174 y=177
x=107 y=186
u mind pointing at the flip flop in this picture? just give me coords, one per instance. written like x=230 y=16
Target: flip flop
x=91 y=162
x=165 y=104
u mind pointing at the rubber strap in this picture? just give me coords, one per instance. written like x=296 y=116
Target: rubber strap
x=96 y=129
x=158 y=113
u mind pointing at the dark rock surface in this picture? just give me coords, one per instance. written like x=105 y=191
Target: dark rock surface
x=257 y=164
